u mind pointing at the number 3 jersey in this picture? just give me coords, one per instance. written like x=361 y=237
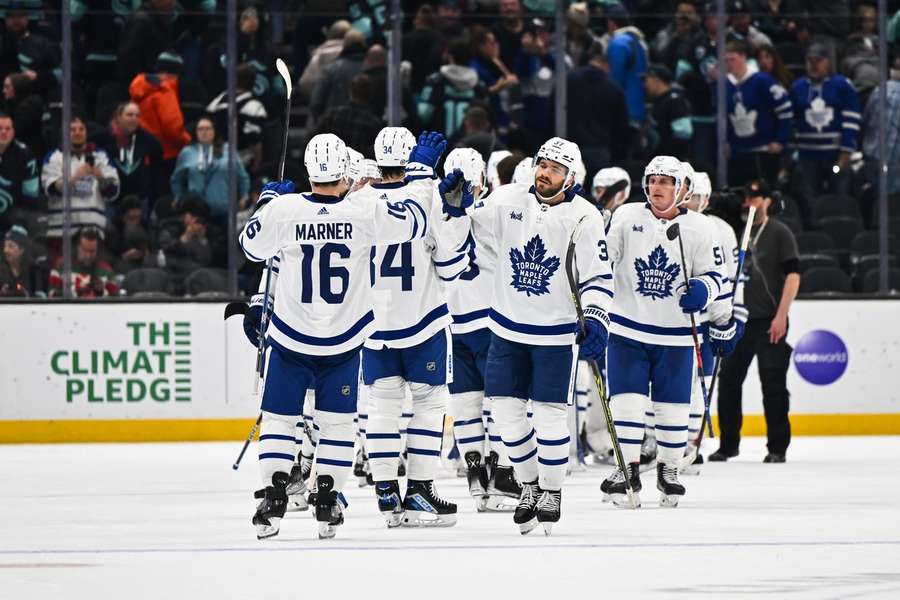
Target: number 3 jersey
x=532 y=302
x=323 y=305
x=648 y=272
x=408 y=279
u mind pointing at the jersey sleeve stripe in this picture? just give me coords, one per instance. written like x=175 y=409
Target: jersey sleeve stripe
x=249 y=254
x=319 y=341
x=471 y=316
x=447 y=263
x=397 y=334
x=599 y=289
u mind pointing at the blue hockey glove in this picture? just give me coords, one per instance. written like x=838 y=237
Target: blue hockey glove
x=428 y=148
x=456 y=193
x=724 y=338
x=253 y=318
x=272 y=190
x=592 y=341
x=695 y=298
x=573 y=191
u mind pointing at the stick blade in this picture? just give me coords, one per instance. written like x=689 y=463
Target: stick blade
x=282 y=68
x=236 y=308
x=673 y=231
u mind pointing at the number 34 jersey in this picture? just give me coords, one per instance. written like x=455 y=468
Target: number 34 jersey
x=408 y=279
x=324 y=301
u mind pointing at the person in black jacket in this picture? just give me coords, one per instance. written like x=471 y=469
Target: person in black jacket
x=147 y=33
x=333 y=89
x=355 y=123
x=670 y=129
x=597 y=115
x=22 y=51
x=26 y=110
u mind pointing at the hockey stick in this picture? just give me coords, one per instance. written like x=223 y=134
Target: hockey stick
x=595 y=369
x=249 y=439
x=717 y=363
x=675 y=232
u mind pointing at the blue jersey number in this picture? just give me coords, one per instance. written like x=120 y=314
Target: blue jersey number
x=604 y=253
x=473 y=270
x=717 y=255
x=405 y=271
x=327 y=272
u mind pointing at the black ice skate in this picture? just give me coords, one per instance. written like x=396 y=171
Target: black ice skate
x=329 y=508
x=503 y=491
x=424 y=508
x=270 y=510
x=477 y=475
x=526 y=512
x=389 y=502
x=615 y=491
x=667 y=483
x=361 y=469
x=548 y=508
x=296 y=487
x=648 y=453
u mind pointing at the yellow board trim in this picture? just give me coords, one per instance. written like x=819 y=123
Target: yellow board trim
x=196 y=430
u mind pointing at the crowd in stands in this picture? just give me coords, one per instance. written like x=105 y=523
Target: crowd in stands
x=149 y=162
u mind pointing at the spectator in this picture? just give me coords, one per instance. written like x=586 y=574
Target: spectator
x=449 y=18
x=774 y=19
x=509 y=31
x=871 y=124
x=92 y=277
x=202 y=170
x=759 y=119
x=860 y=65
x=423 y=46
x=477 y=132
x=251 y=117
x=29 y=53
x=826 y=122
x=134 y=152
x=323 y=56
x=673 y=45
x=449 y=92
x=769 y=61
x=148 y=33
x=507 y=166
x=534 y=67
x=26 y=110
x=19 y=276
x=829 y=21
x=191 y=250
x=334 y=88
x=697 y=82
x=97 y=32
x=670 y=130
x=741 y=23
x=627 y=57
x=156 y=94
x=866 y=22
x=501 y=83
x=597 y=112
x=128 y=240
x=93 y=183
x=375 y=68
x=355 y=123
x=19 y=183
x=770 y=290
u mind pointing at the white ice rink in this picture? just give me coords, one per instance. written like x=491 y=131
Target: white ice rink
x=172 y=521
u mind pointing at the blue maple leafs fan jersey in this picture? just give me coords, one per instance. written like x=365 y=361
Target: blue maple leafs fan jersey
x=759 y=112
x=826 y=117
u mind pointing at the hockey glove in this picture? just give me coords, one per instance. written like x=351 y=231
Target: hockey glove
x=592 y=341
x=253 y=318
x=724 y=338
x=456 y=194
x=573 y=191
x=693 y=299
x=428 y=148
x=272 y=190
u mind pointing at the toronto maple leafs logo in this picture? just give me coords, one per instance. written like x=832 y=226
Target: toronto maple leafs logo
x=531 y=268
x=819 y=115
x=656 y=274
x=743 y=121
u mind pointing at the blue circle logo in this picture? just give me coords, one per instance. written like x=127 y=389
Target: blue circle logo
x=820 y=357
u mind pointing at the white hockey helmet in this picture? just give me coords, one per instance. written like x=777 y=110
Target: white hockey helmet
x=702 y=188
x=393 y=145
x=469 y=161
x=325 y=158
x=688 y=173
x=493 y=160
x=563 y=152
x=354 y=165
x=664 y=165
x=370 y=169
x=524 y=172
x=610 y=176
x=580 y=172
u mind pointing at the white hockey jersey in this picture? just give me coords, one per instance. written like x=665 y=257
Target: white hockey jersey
x=532 y=302
x=323 y=305
x=407 y=279
x=726 y=258
x=648 y=272
x=469 y=295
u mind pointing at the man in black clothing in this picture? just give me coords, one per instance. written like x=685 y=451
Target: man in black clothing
x=670 y=128
x=149 y=31
x=773 y=267
x=26 y=52
x=597 y=113
x=355 y=123
x=19 y=182
x=333 y=90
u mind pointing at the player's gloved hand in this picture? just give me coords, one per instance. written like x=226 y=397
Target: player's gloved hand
x=428 y=148
x=573 y=191
x=724 y=338
x=592 y=341
x=272 y=190
x=253 y=318
x=694 y=299
x=456 y=193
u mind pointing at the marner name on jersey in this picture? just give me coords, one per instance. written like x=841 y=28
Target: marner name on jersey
x=324 y=231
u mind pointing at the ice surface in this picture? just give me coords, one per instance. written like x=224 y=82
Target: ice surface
x=172 y=521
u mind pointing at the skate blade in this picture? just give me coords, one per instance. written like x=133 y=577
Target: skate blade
x=297 y=504
x=361 y=481
x=669 y=500
x=548 y=528
x=606 y=498
x=393 y=519
x=267 y=531
x=690 y=470
x=327 y=531
x=480 y=504
x=418 y=518
x=501 y=504
x=622 y=501
x=528 y=526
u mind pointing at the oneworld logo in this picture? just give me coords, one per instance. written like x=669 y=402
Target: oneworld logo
x=820 y=357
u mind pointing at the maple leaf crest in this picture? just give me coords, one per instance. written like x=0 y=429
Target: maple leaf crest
x=656 y=274
x=743 y=121
x=531 y=268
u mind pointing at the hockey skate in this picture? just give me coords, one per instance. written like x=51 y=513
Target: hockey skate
x=615 y=491
x=503 y=491
x=526 y=512
x=548 y=509
x=329 y=508
x=270 y=510
x=424 y=508
x=667 y=483
x=361 y=469
x=477 y=475
x=401 y=467
x=692 y=461
x=296 y=488
x=389 y=502
x=648 y=453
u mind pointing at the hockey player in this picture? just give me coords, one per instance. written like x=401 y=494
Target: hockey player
x=610 y=189
x=323 y=313
x=524 y=172
x=533 y=321
x=410 y=349
x=650 y=337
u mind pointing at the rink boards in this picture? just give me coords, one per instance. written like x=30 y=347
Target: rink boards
x=170 y=372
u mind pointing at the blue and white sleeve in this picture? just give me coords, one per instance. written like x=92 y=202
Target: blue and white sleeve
x=595 y=278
